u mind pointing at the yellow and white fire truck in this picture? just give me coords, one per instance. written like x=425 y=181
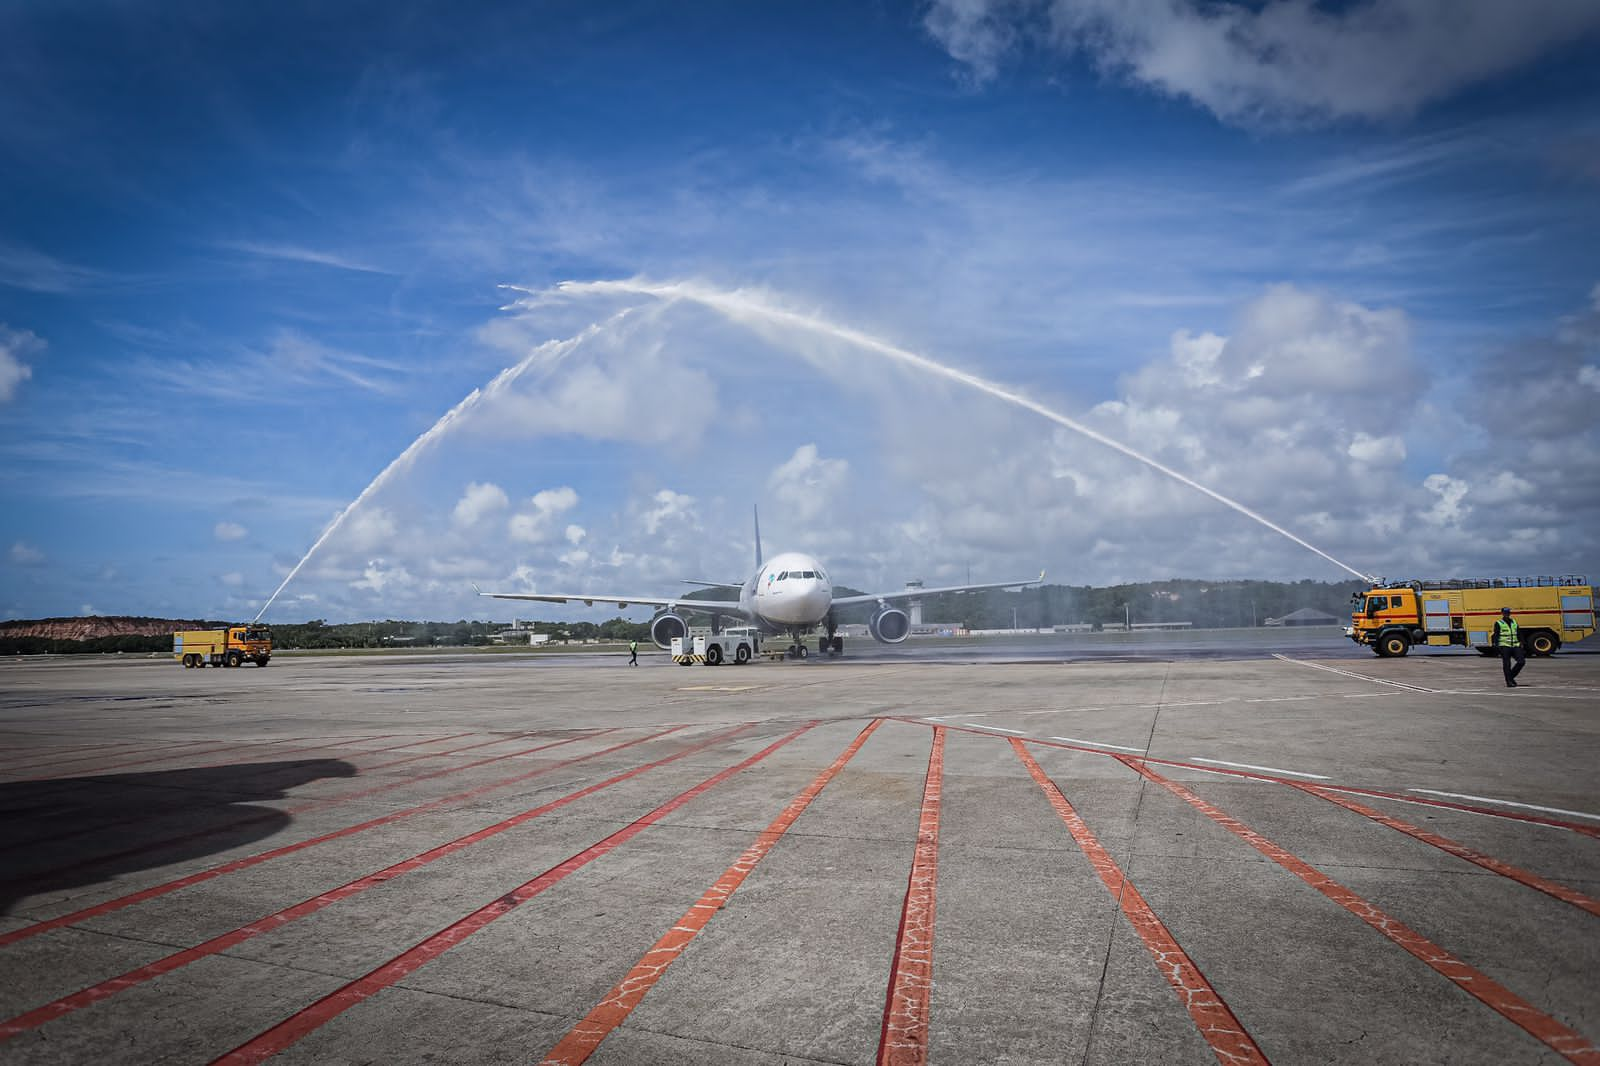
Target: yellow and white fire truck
x=1550 y=611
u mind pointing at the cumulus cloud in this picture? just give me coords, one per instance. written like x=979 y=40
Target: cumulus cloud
x=1377 y=451
x=806 y=483
x=232 y=580
x=536 y=525
x=379 y=577
x=1278 y=61
x=14 y=344
x=480 y=500
x=23 y=554
x=668 y=507
x=226 y=531
x=368 y=528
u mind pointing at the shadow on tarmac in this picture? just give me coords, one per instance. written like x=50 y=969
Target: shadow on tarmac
x=64 y=833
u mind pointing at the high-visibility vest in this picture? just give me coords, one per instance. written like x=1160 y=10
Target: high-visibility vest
x=1507 y=632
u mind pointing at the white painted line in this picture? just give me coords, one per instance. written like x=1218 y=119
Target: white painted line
x=1098 y=744
x=1433 y=804
x=1507 y=803
x=1228 y=774
x=1263 y=769
x=1352 y=673
x=997 y=729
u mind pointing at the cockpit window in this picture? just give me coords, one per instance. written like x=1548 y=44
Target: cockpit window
x=808 y=573
x=783 y=575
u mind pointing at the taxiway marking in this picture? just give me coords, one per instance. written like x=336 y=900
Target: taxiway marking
x=1100 y=744
x=1264 y=769
x=1564 y=1041
x=1460 y=851
x=288 y=849
x=1218 y=1024
x=583 y=1038
x=1353 y=674
x=105 y=989
x=1507 y=803
x=904 y=1037
x=300 y=1024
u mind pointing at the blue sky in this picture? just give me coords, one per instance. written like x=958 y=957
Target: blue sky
x=1334 y=261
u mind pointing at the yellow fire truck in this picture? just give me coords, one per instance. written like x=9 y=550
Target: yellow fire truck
x=1550 y=611
x=223 y=647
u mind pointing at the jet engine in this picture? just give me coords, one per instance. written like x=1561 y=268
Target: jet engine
x=665 y=626
x=890 y=625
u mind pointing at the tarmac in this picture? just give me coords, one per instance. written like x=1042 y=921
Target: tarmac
x=1171 y=854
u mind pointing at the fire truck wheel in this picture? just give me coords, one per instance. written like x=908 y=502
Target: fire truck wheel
x=1542 y=643
x=233 y=659
x=1394 y=645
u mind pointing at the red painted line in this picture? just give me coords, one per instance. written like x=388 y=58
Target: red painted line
x=257 y=859
x=453 y=751
x=254 y=745
x=583 y=1038
x=1571 y=1045
x=255 y=819
x=304 y=1022
x=903 y=1040
x=1461 y=851
x=143 y=816
x=1217 y=1023
x=108 y=988
x=1554 y=823
x=133 y=748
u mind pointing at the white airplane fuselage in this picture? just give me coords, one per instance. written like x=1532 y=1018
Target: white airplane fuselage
x=789 y=593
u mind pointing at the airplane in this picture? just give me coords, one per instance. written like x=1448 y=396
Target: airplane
x=790 y=595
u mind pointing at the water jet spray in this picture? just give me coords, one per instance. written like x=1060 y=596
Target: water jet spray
x=742 y=307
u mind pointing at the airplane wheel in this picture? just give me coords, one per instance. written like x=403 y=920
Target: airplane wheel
x=742 y=654
x=838 y=645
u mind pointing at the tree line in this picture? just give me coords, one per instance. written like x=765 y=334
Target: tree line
x=1203 y=604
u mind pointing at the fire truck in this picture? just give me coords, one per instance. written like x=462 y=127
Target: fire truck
x=1550 y=611
x=232 y=646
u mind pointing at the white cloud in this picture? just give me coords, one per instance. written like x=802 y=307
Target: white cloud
x=226 y=531
x=575 y=534
x=381 y=578
x=668 y=507
x=1590 y=376
x=1377 y=451
x=1448 y=509
x=26 y=554
x=89 y=610
x=13 y=371
x=532 y=527
x=232 y=580
x=1278 y=61
x=807 y=483
x=368 y=528
x=478 y=501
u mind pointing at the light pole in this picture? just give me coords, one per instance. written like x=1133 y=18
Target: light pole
x=1013 y=619
x=1127 y=618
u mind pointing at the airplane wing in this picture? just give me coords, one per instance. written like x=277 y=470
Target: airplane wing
x=911 y=594
x=589 y=599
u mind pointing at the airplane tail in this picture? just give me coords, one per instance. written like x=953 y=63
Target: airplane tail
x=756 y=511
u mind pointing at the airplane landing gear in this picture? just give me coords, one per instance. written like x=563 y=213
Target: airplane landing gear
x=830 y=645
x=797 y=652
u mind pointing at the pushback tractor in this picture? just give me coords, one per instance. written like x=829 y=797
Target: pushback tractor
x=1549 y=611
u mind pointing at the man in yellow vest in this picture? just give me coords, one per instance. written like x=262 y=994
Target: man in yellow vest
x=1507 y=638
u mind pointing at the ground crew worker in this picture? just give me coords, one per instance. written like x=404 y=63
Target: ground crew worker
x=633 y=651
x=1508 y=639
